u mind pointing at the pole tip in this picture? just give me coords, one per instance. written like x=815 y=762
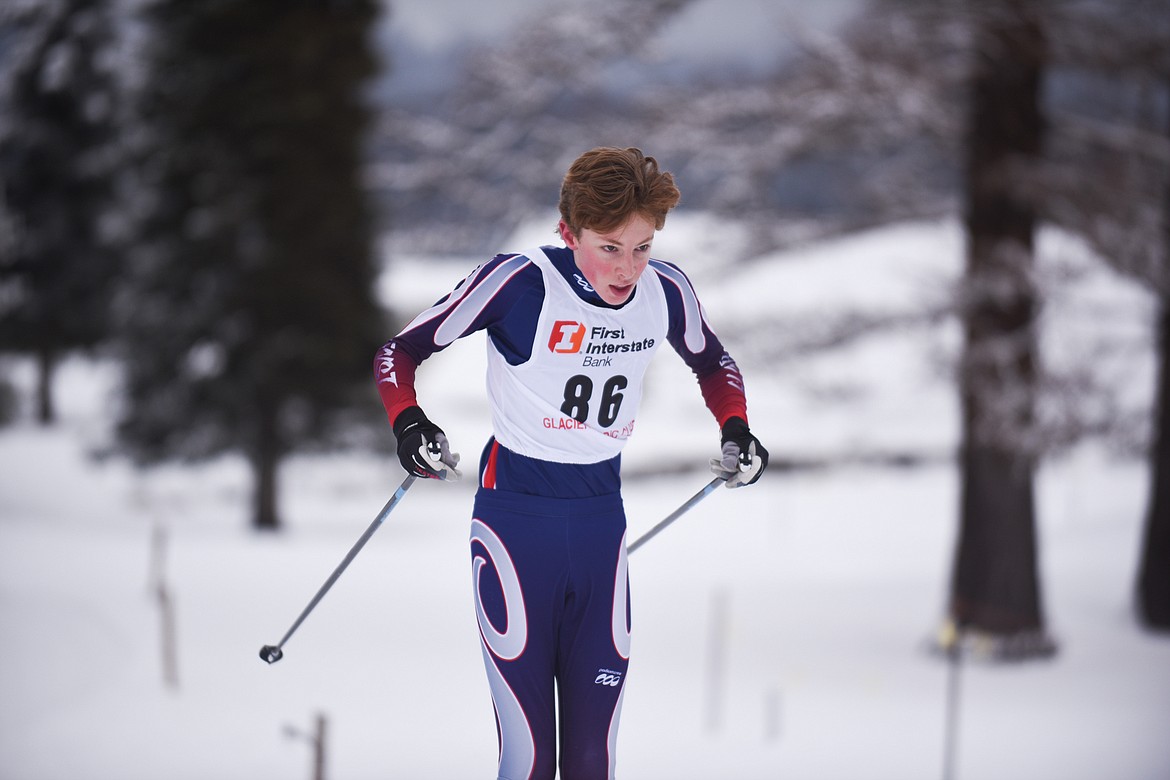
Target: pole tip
x=271 y=654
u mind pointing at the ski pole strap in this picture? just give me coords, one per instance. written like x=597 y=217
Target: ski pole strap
x=676 y=514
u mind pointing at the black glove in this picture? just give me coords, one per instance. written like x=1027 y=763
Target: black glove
x=743 y=458
x=422 y=446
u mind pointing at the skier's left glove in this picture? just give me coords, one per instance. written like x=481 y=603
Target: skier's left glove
x=743 y=458
x=422 y=447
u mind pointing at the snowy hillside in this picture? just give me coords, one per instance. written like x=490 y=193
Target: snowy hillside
x=779 y=631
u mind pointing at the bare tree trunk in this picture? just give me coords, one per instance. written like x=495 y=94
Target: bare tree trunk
x=46 y=368
x=995 y=585
x=319 y=747
x=266 y=455
x=1154 y=574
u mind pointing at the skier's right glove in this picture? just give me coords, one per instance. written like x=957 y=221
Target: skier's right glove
x=422 y=447
x=743 y=457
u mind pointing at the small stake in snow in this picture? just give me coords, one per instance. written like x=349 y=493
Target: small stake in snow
x=316 y=740
x=273 y=653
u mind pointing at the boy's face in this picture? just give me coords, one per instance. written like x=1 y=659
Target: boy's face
x=613 y=261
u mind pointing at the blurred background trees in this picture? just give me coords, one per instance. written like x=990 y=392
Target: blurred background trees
x=1107 y=179
x=460 y=174
x=257 y=168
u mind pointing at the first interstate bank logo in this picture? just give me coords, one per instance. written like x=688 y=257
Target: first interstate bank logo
x=569 y=337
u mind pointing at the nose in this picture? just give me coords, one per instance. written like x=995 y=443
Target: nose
x=624 y=267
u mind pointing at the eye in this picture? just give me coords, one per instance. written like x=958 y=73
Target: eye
x=610 y=248
x=643 y=248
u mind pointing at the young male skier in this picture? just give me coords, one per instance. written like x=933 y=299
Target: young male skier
x=570 y=332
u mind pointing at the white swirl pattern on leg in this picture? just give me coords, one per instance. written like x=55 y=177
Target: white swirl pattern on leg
x=517 y=745
x=621 y=585
x=611 y=740
x=509 y=644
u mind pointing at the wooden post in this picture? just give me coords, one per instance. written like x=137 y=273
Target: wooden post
x=319 y=748
x=316 y=740
x=168 y=644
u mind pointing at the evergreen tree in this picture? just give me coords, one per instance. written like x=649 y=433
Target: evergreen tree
x=56 y=155
x=249 y=315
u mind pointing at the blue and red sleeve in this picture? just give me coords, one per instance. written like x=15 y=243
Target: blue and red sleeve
x=502 y=296
x=720 y=381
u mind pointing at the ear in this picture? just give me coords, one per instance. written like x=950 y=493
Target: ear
x=567 y=236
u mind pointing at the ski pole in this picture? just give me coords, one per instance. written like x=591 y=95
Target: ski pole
x=273 y=653
x=676 y=514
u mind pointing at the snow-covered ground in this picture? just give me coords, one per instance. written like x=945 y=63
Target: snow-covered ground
x=780 y=631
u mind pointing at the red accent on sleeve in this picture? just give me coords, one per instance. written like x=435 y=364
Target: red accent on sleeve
x=394 y=374
x=723 y=393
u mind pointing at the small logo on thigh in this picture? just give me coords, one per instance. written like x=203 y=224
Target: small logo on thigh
x=608 y=677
